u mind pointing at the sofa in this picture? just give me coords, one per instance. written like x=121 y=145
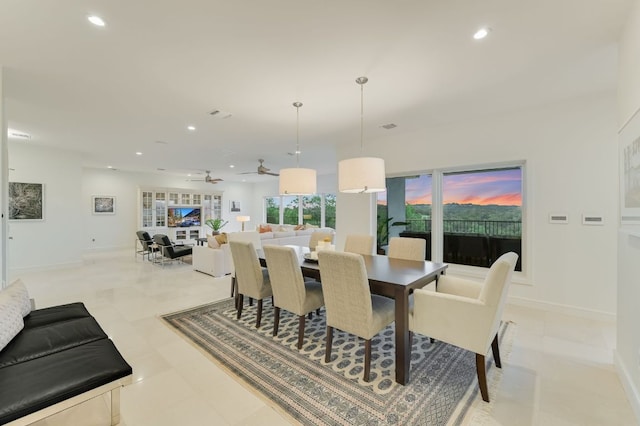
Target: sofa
x=215 y=257
x=59 y=357
x=297 y=235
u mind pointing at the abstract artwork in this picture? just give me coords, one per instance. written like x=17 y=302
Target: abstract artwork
x=103 y=204
x=630 y=172
x=26 y=201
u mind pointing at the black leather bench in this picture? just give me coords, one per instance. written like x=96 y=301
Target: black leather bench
x=61 y=358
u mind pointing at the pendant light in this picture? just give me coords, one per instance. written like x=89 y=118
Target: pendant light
x=361 y=174
x=297 y=181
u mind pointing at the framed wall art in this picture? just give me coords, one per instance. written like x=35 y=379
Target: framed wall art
x=630 y=172
x=26 y=201
x=234 y=207
x=103 y=204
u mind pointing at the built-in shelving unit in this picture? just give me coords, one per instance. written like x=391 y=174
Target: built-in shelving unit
x=156 y=204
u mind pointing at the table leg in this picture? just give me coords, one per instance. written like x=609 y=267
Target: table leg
x=403 y=345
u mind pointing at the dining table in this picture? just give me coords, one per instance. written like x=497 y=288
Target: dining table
x=390 y=277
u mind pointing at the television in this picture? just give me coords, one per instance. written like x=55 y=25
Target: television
x=183 y=217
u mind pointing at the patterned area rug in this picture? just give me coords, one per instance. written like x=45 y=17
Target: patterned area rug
x=442 y=387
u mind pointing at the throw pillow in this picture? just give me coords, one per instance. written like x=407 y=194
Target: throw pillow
x=212 y=242
x=221 y=239
x=265 y=228
x=11 y=322
x=299 y=228
x=17 y=291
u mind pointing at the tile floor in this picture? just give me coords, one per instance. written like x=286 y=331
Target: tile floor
x=560 y=370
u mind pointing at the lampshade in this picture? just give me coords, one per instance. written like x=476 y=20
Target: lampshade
x=361 y=174
x=243 y=219
x=297 y=181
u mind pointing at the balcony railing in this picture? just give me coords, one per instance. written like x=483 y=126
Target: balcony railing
x=497 y=228
x=471 y=242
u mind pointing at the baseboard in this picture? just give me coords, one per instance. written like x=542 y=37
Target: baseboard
x=88 y=250
x=39 y=268
x=562 y=309
x=633 y=395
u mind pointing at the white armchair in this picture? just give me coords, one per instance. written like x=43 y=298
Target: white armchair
x=466 y=313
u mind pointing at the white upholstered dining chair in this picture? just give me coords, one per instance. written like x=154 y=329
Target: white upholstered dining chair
x=349 y=304
x=407 y=248
x=290 y=291
x=247 y=236
x=319 y=236
x=359 y=243
x=466 y=313
x=251 y=279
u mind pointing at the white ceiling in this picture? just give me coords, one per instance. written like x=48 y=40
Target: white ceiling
x=161 y=65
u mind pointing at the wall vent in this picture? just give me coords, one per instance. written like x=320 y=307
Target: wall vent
x=592 y=220
x=558 y=218
x=389 y=126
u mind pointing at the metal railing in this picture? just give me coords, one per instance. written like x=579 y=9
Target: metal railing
x=470 y=227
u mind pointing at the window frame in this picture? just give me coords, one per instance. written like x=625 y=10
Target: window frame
x=437 y=218
x=281 y=206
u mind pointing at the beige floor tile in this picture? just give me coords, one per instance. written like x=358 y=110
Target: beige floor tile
x=559 y=370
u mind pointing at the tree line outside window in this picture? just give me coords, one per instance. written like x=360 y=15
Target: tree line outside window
x=318 y=210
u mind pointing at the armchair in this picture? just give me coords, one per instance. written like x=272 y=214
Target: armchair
x=466 y=313
x=168 y=250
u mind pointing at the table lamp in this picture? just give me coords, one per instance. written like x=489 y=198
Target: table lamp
x=243 y=219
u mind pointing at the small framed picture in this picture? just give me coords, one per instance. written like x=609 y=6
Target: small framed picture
x=103 y=204
x=234 y=207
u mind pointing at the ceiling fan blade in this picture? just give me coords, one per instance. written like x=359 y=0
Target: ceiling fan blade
x=247 y=173
x=216 y=180
x=272 y=174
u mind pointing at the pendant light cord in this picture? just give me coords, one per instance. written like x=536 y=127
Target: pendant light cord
x=297 y=105
x=361 y=81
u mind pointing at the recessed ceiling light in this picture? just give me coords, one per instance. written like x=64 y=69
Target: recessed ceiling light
x=189 y=174
x=138 y=153
x=192 y=128
x=481 y=33
x=109 y=167
x=231 y=166
x=96 y=20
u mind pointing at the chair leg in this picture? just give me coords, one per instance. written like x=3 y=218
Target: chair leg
x=239 y=305
x=318 y=311
x=482 y=377
x=276 y=320
x=310 y=315
x=115 y=406
x=251 y=301
x=233 y=285
x=259 y=316
x=367 y=359
x=327 y=352
x=496 y=351
x=300 y=330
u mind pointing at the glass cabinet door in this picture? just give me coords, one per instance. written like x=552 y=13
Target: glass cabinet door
x=185 y=199
x=147 y=209
x=173 y=198
x=161 y=209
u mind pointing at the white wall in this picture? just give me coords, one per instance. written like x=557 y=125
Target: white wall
x=56 y=240
x=571 y=167
x=628 y=337
x=4 y=168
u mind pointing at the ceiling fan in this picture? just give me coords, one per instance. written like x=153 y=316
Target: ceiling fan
x=262 y=170
x=207 y=178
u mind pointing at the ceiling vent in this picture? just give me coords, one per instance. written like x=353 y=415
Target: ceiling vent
x=389 y=126
x=220 y=114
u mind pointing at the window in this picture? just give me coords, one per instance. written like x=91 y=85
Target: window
x=290 y=209
x=312 y=209
x=481 y=213
x=272 y=209
x=318 y=210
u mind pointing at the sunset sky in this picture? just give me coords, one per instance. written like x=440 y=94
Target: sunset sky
x=503 y=187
